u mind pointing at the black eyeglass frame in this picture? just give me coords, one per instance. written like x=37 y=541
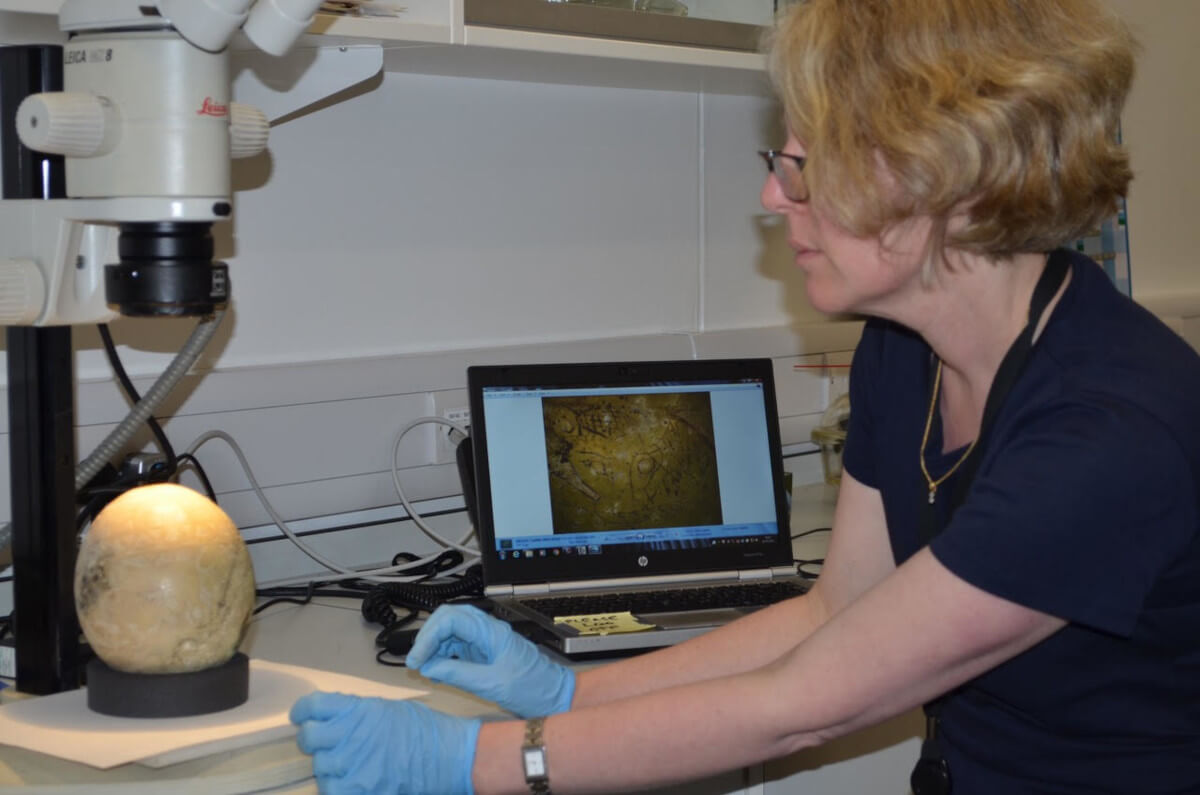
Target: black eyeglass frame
x=771 y=157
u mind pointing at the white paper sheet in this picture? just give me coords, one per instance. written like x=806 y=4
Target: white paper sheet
x=62 y=725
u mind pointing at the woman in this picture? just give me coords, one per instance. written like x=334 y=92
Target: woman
x=1015 y=541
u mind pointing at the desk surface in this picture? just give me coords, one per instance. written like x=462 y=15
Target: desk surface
x=328 y=634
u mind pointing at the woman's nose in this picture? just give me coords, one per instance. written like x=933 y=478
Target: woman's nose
x=771 y=195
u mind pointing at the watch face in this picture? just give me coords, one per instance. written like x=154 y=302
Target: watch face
x=535 y=763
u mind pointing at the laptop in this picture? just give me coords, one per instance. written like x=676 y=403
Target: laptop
x=605 y=492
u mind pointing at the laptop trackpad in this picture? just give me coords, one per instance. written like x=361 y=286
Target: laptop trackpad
x=693 y=618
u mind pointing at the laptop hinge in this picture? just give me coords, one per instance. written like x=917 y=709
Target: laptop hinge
x=531 y=588
x=754 y=574
x=766 y=574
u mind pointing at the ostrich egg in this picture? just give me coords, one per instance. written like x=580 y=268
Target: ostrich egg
x=163 y=582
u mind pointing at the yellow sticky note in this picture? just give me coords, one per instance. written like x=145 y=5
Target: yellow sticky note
x=604 y=623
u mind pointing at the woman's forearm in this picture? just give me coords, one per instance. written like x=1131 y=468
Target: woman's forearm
x=671 y=735
x=744 y=645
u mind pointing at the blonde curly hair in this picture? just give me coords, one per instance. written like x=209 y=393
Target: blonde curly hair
x=1007 y=109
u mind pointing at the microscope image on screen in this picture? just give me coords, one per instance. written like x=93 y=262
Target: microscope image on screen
x=649 y=459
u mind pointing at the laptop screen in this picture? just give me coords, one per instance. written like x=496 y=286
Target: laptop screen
x=627 y=469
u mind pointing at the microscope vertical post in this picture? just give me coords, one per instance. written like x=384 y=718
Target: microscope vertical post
x=40 y=419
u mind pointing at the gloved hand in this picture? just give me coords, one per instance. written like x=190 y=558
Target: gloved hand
x=494 y=662
x=374 y=745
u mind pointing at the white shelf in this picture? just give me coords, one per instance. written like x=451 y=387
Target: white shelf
x=478 y=51
x=430 y=37
x=423 y=23
x=31 y=6
x=610 y=48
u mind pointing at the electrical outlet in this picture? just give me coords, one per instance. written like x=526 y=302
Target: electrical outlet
x=461 y=416
x=451 y=405
x=447 y=440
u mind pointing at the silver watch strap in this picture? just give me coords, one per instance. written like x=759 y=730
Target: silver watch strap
x=538 y=785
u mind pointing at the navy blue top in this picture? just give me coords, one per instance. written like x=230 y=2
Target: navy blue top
x=1085 y=506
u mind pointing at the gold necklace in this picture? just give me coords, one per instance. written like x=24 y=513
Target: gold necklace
x=933 y=484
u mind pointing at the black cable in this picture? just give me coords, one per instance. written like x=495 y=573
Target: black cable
x=814 y=562
x=173 y=461
x=800 y=454
x=392 y=605
x=801 y=563
x=810 y=532
x=379 y=659
x=92 y=507
x=301 y=600
x=111 y=350
x=191 y=460
x=423 y=595
x=302 y=595
x=444 y=561
x=380 y=603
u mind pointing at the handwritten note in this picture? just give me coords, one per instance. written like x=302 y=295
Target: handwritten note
x=604 y=623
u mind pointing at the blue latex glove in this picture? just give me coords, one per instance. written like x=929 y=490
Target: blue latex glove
x=493 y=662
x=369 y=745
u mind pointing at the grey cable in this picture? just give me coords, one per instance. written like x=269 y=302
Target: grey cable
x=412 y=512
x=121 y=434
x=379 y=574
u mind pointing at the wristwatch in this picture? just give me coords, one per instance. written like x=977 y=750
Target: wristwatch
x=533 y=758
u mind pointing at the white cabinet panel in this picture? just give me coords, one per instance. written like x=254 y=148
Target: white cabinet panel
x=875 y=761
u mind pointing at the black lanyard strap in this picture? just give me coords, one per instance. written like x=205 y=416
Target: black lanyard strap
x=931 y=776
x=1011 y=367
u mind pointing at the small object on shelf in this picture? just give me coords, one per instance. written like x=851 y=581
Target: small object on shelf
x=830 y=436
x=364 y=8
x=651 y=6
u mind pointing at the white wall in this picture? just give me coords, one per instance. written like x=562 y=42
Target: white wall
x=1162 y=128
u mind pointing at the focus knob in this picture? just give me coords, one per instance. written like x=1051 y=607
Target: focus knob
x=248 y=130
x=71 y=124
x=22 y=292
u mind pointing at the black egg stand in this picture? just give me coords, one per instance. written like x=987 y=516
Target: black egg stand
x=128 y=695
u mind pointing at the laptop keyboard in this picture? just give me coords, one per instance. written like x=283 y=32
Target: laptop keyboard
x=758 y=594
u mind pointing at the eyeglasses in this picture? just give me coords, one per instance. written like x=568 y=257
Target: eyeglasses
x=789 y=170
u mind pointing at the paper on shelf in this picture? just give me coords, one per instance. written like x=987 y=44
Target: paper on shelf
x=62 y=725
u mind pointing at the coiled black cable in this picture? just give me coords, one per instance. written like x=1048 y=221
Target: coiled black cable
x=380 y=602
x=420 y=595
x=377 y=608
